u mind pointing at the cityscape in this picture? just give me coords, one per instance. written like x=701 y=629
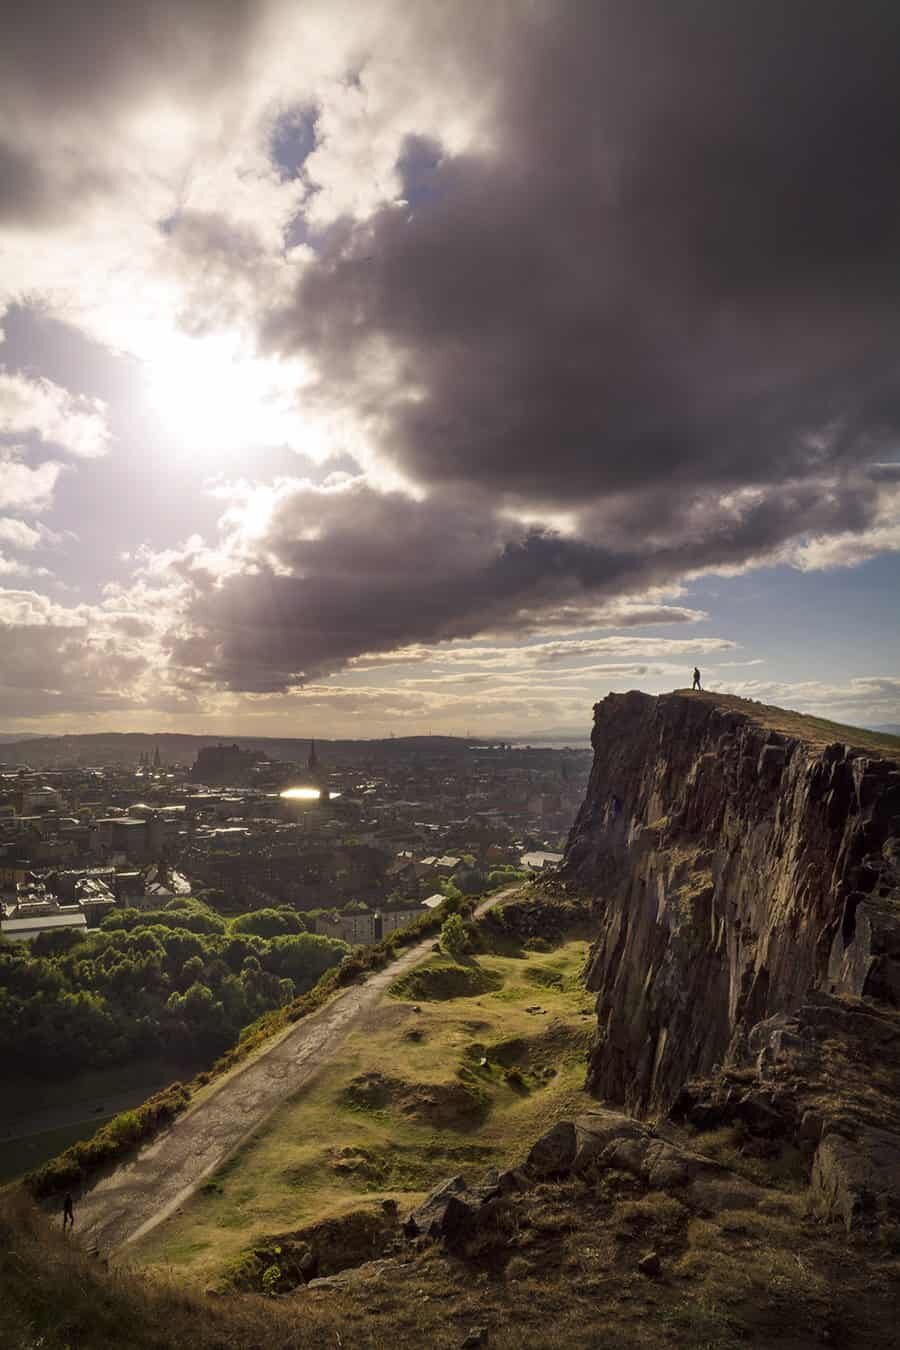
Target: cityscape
x=358 y=837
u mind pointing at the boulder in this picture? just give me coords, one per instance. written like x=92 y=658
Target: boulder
x=857 y=1180
x=598 y=1131
x=554 y=1152
x=453 y=1211
x=428 y=1219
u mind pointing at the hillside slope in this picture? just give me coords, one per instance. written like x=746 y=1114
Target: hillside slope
x=738 y=868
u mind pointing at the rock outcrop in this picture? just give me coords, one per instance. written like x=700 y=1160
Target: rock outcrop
x=741 y=869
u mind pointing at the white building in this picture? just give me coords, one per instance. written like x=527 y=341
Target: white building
x=69 y=917
x=539 y=861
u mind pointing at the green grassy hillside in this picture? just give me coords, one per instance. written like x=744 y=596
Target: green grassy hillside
x=460 y=1068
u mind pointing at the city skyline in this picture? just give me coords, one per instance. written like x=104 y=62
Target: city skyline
x=374 y=368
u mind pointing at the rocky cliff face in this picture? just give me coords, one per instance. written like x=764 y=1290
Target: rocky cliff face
x=742 y=870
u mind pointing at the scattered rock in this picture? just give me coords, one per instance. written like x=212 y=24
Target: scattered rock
x=428 y=1219
x=477 y=1336
x=346 y=1279
x=513 y=1179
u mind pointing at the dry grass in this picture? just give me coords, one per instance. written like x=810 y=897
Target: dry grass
x=561 y=1272
x=816 y=732
x=342 y=1144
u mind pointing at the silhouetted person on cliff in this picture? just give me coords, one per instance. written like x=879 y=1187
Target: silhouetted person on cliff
x=68 y=1213
x=696 y=684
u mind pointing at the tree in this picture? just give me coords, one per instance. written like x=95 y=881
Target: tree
x=269 y=922
x=304 y=957
x=453 y=937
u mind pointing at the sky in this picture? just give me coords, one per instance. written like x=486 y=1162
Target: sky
x=371 y=367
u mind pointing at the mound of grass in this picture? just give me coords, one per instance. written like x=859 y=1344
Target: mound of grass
x=404 y=1167
x=440 y=979
x=525 y=1062
x=545 y=976
x=454 y=1105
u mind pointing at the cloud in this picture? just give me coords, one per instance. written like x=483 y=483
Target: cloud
x=23 y=488
x=18 y=534
x=65 y=75
x=39 y=407
x=85 y=659
x=596 y=297
x=308 y=577
x=863 y=697
x=554 y=653
x=624 y=303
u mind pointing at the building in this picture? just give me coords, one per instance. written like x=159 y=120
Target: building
x=540 y=861
x=32 y=918
x=354 y=927
x=392 y=919
x=223 y=764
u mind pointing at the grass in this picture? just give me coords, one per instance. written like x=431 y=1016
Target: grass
x=121 y=1134
x=442 y=979
x=563 y=1272
x=408 y=1103
x=816 y=732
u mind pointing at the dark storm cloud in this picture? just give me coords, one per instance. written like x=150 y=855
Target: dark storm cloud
x=677 y=267
x=339 y=573
x=56 y=55
x=665 y=299
x=65 y=66
x=359 y=570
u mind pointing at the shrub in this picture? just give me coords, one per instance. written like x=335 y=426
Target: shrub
x=111 y=1142
x=269 y=922
x=270 y=1278
x=454 y=939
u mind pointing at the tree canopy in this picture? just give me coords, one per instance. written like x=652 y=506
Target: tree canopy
x=182 y=980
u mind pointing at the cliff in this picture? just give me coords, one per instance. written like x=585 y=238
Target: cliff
x=746 y=865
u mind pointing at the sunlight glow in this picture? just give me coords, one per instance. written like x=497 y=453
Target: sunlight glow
x=213 y=396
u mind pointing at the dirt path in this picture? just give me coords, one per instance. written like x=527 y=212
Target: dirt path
x=142 y=1192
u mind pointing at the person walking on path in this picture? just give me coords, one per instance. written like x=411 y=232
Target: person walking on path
x=68 y=1213
x=696 y=684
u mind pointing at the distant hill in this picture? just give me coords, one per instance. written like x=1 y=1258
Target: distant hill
x=118 y=748
x=888 y=728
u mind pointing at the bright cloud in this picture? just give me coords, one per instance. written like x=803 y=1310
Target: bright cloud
x=53 y=415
